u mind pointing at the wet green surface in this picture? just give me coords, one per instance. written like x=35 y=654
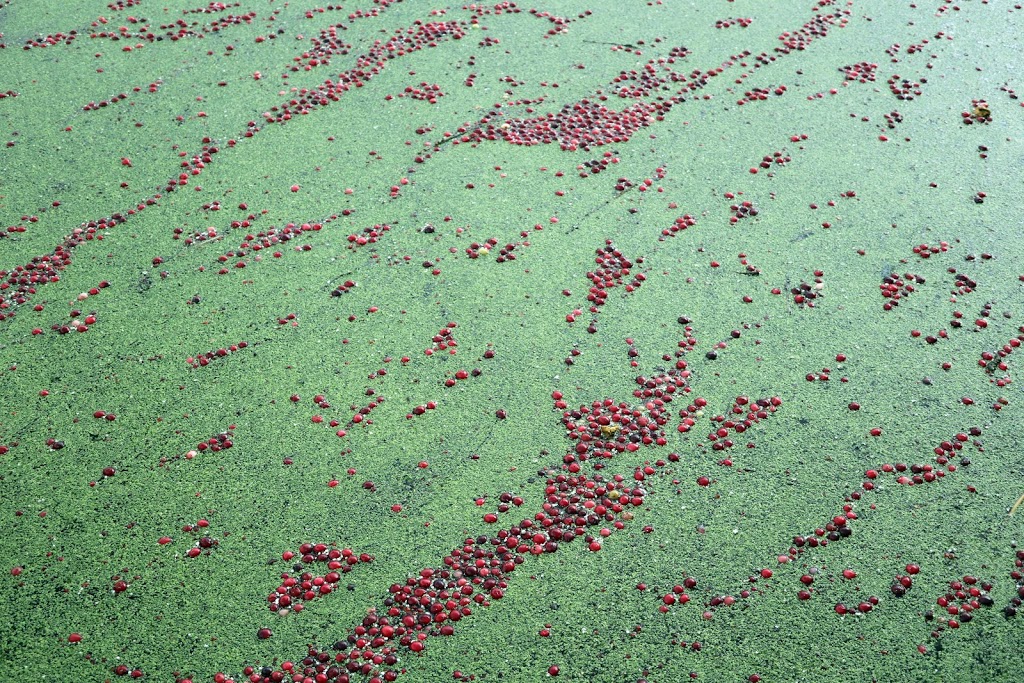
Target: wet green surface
x=69 y=531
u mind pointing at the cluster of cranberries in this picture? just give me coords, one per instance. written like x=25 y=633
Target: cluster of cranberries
x=863 y=72
x=202 y=544
x=18 y=285
x=125 y=670
x=892 y=118
x=78 y=323
x=203 y=359
x=295 y=591
x=323 y=46
x=120 y=97
x=839 y=526
x=444 y=340
x=477 y=249
x=926 y=251
x=198 y=236
x=581 y=125
x=964 y=597
x=432 y=602
x=817 y=27
x=343 y=288
x=805 y=293
x=142 y=31
x=426 y=92
x=369 y=65
x=507 y=252
x=744 y=209
x=461 y=374
x=820 y=376
x=748 y=267
x=751 y=412
x=904 y=89
x=677 y=594
x=742 y=22
x=272 y=237
x=606 y=427
x=613 y=269
x=777 y=158
x=218 y=442
x=678 y=225
x=1017 y=575
x=979 y=113
x=895 y=287
x=996 y=360
x=368 y=235
x=15 y=229
x=622 y=184
x=761 y=93
x=193 y=167
x=588 y=123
